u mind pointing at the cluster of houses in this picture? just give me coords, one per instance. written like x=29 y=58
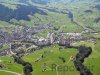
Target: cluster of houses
x=46 y=41
x=26 y=35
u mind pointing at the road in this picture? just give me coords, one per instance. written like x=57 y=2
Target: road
x=11 y=72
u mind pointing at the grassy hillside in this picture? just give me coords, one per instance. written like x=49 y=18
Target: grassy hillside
x=54 y=12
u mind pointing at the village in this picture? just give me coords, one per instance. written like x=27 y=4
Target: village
x=25 y=37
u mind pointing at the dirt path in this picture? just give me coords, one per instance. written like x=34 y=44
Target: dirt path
x=11 y=72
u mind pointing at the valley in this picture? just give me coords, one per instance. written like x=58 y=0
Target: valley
x=40 y=37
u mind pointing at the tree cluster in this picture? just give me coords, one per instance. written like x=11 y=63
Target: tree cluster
x=27 y=66
x=84 y=52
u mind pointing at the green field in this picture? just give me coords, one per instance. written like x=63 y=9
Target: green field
x=52 y=57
